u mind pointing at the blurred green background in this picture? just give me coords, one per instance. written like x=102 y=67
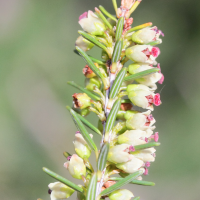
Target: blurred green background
x=36 y=60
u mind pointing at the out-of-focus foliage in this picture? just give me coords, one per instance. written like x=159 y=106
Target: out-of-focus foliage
x=36 y=61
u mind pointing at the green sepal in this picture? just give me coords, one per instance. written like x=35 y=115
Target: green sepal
x=66 y=154
x=147 y=145
x=112 y=116
x=62 y=180
x=119 y=28
x=93 y=40
x=140 y=74
x=136 y=198
x=137 y=182
x=91 y=190
x=117 y=51
x=153 y=43
x=90 y=94
x=117 y=83
x=83 y=130
x=121 y=183
x=105 y=12
x=102 y=159
x=87 y=123
x=96 y=60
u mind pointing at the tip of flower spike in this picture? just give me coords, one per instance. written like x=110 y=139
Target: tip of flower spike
x=84 y=15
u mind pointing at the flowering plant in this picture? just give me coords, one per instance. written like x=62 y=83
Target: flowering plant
x=122 y=98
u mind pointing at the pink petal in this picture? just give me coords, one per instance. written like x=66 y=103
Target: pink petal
x=155 y=52
x=157 y=100
x=84 y=15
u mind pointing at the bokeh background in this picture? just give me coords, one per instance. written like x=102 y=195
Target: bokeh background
x=36 y=60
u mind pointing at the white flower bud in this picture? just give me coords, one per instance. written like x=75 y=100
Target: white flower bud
x=119 y=154
x=83 y=43
x=122 y=194
x=146 y=155
x=76 y=166
x=91 y=23
x=131 y=166
x=81 y=146
x=60 y=191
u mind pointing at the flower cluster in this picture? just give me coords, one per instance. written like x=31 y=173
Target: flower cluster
x=123 y=98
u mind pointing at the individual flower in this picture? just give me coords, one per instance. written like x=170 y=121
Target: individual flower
x=142 y=121
x=121 y=194
x=119 y=154
x=88 y=72
x=146 y=155
x=141 y=95
x=143 y=54
x=91 y=23
x=131 y=166
x=81 y=146
x=146 y=35
x=84 y=44
x=59 y=191
x=149 y=80
x=134 y=137
x=76 y=166
x=81 y=100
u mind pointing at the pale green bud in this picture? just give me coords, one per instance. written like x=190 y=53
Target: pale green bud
x=81 y=100
x=76 y=166
x=92 y=83
x=84 y=44
x=60 y=191
x=122 y=194
x=81 y=146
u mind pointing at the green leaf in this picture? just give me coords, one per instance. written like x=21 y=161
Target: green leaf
x=115 y=5
x=91 y=191
x=147 y=145
x=139 y=27
x=117 y=51
x=145 y=183
x=102 y=159
x=87 y=123
x=83 y=130
x=154 y=43
x=105 y=12
x=121 y=183
x=136 y=198
x=62 y=180
x=141 y=74
x=117 y=83
x=93 y=40
x=66 y=154
x=90 y=62
x=112 y=116
x=96 y=60
x=119 y=28
x=106 y=22
x=90 y=94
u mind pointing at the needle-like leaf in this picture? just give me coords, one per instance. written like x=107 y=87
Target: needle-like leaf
x=119 y=28
x=141 y=74
x=117 y=51
x=62 y=180
x=90 y=94
x=91 y=191
x=121 y=183
x=83 y=130
x=105 y=12
x=117 y=83
x=147 y=145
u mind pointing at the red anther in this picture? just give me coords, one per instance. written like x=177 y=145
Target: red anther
x=49 y=191
x=131 y=148
x=155 y=51
x=147 y=52
x=156 y=137
x=69 y=157
x=78 y=132
x=156 y=99
x=147 y=164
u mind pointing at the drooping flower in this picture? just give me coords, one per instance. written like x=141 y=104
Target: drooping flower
x=141 y=121
x=119 y=154
x=59 y=191
x=81 y=146
x=81 y=100
x=88 y=72
x=76 y=166
x=141 y=95
x=91 y=23
x=121 y=194
x=149 y=80
x=134 y=137
x=131 y=166
x=84 y=44
x=143 y=54
x=147 y=35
